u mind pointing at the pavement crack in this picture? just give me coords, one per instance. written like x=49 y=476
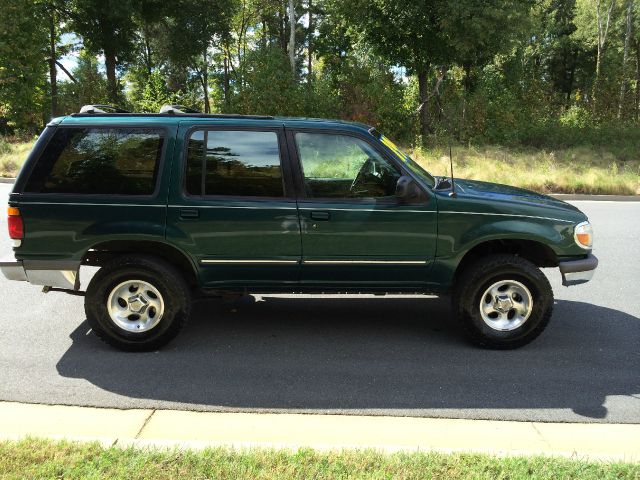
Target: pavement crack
x=544 y=440
x=146 y=421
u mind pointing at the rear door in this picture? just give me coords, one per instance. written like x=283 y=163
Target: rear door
x=231 y=204
x=355 y=233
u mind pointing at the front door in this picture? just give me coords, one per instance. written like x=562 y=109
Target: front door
x=355 y=233
x=232 y=210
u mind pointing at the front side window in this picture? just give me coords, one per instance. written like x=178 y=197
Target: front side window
x=110 y=161
x=342 y=166
x=234 y=163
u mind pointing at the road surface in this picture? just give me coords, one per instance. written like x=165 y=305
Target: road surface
x=351 y=355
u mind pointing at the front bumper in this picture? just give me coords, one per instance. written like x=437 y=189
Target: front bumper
x=575 y=272
x=50 y=273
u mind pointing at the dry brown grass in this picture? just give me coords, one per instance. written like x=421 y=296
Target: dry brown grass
x=575 y=170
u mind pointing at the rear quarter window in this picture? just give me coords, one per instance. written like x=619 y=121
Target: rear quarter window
x=108 y=161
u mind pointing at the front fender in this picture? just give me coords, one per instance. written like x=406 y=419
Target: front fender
x=459 y=234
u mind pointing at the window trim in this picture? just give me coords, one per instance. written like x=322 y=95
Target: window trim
x=299 y=173
x=163 y=130
x=282 y=152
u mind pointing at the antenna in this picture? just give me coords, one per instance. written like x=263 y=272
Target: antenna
x=453 y=183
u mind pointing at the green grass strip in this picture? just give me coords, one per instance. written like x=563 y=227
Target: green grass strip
x=44 y=459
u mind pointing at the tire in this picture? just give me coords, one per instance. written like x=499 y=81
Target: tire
x=137 y=303
x=502 y=301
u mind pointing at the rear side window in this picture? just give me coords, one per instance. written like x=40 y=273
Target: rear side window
x=234 y=163
x=109 y=161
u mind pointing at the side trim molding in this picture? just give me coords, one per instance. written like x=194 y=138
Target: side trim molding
x=249 y=262
x=509 y=215
x=311 y=262
x=364 y=262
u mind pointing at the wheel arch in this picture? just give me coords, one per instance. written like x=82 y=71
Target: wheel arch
x=101 y=253
x=538 y=253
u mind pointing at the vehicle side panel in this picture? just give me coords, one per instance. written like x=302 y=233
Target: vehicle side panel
x=65 y=226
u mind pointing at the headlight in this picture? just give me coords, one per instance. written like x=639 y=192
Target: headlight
x=583 y=235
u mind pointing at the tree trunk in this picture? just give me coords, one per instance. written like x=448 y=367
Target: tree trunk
x=148 y=60
x=225 y=85
x=112 y=82
x=310 y=46
x=637 y=45
x=603 y=30
x=625 y=56
x=423 y=111
x=282 y=34
x=205 y=83
x=468 y=84
x=292 y=37
x=53 y=73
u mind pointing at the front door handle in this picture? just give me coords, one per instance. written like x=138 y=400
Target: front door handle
x=189 y=213
x=320 y=216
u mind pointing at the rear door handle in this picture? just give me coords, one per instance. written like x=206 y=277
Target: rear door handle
x=320 y=216
x=189 y=213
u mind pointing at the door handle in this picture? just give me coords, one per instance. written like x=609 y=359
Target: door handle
x=189 y=213
x=320 y=216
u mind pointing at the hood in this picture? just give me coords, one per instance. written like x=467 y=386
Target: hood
x=506 y=193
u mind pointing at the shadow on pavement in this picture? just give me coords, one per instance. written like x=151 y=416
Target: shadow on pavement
x=368 y=353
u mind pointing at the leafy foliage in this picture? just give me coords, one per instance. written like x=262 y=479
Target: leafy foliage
x=515 y=72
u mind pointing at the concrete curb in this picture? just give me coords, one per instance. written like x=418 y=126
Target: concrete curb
x=7 y=180
x=595 y=198
x=197 y=430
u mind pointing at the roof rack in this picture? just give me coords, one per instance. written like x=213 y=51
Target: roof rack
x=172 y=109
x=102 y=109
x=109 y=111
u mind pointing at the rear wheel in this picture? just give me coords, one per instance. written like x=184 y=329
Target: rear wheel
x=503 y=301
x=137 y=303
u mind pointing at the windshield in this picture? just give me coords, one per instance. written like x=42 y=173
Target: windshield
x=406 y=159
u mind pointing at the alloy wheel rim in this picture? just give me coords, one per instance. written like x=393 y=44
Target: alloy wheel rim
x=135 y=306
x=506 y=305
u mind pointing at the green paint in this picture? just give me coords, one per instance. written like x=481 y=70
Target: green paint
x=320 y=243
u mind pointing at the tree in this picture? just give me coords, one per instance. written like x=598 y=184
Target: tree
x=406 y=32
x=563 y=57
x=90 y=86
x=107 y=27
x=604 y=20
x=292 y=37
x=23 y=53
x=625 y=57
x=193 y=28
x=479 y=29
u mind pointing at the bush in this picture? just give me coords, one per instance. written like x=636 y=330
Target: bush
x=5 y=147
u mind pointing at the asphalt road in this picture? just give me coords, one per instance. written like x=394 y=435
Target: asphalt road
x=371 y=355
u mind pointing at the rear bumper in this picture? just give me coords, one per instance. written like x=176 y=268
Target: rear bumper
x=50 y=273
x=575 y=272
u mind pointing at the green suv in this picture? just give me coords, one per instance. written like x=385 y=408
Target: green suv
x=175 y=204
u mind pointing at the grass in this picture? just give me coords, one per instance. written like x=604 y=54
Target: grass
x=13 y=153
x=573 y=170
x=35 y=458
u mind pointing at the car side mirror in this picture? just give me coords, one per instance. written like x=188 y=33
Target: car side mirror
x=407 y=190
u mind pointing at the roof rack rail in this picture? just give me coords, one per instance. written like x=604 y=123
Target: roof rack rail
x=102 y=109
x=177 y=109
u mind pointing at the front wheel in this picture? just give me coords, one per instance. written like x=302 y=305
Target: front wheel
x=137 y=303
x=503 y=301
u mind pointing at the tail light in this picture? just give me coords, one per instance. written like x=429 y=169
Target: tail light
x=16 y=225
